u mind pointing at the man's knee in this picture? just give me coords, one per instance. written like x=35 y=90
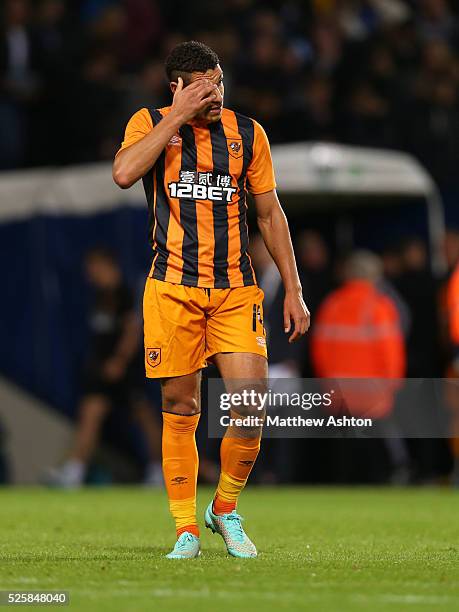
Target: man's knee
x=249 y=399
x=248 y=410
x=176 y=403
x=181 y=395
x=93 y=408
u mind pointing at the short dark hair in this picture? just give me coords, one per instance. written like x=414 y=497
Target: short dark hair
x=190 y=56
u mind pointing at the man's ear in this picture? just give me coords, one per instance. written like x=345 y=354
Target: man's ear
x=173 y=86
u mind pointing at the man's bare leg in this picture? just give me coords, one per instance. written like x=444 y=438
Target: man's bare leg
x=92 y=413
x=241 y=366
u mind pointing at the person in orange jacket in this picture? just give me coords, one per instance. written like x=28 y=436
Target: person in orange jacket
x=357 y=334
x=452 y=300
x=452 y=394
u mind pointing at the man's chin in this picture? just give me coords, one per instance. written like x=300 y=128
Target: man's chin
x=209 y=116
x=213 y=117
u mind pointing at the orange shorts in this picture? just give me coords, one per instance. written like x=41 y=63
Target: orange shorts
x=185 y=326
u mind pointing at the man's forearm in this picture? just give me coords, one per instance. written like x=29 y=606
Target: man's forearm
x=276 y=235
x=129 y=341
x=135 y=161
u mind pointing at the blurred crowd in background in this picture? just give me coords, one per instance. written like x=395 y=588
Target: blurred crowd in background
x=380 y=316
x=377 y=73
x=380 y=73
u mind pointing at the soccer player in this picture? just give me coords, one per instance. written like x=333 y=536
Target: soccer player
x=197 y=159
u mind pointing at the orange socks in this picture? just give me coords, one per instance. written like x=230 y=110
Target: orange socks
x=237 y=457
x=180 y=469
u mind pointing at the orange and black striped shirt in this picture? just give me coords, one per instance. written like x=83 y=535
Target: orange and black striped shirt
x=197 y=198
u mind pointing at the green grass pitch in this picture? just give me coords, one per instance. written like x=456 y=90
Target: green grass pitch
x=320 y=549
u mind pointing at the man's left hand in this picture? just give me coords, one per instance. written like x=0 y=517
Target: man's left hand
x=296 y=311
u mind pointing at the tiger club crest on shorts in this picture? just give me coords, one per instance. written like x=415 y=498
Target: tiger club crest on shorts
x=235 y=147
x=153 y=356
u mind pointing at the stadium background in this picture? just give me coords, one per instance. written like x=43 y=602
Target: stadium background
x=381 y=74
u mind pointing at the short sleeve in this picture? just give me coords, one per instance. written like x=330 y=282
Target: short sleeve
x=260 y=173
x=139 y=125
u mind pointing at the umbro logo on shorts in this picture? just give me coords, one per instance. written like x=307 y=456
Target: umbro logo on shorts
x=245 y=462
x=153 y=356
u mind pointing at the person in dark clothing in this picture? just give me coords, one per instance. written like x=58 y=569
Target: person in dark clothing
x=430 y=457
x=418 y=289
x=316 y=274
x=113 y=372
